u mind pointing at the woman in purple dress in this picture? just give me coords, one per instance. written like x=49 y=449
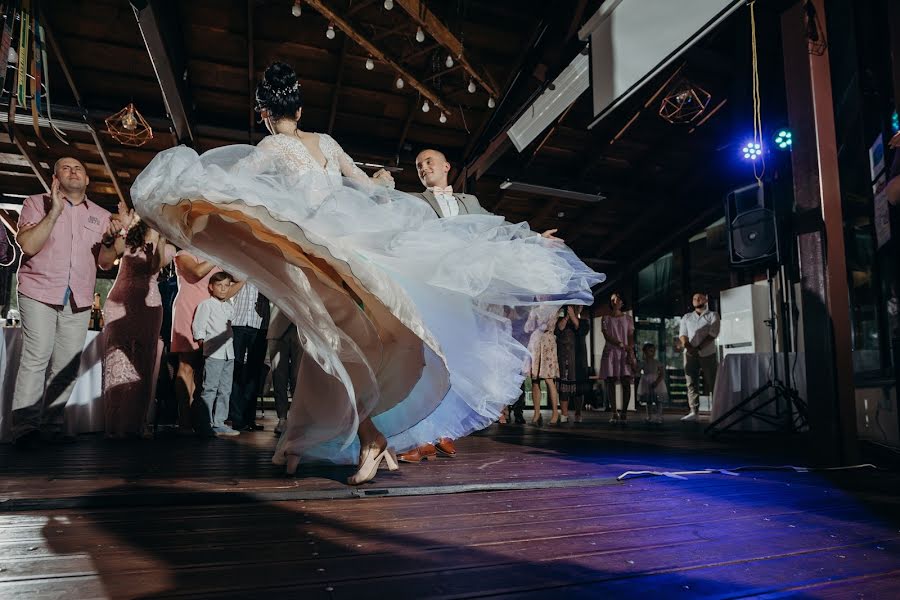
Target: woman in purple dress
x=133 y=315
x=617 y=364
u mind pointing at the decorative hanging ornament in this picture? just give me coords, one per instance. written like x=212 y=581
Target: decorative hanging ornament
x=816 y=42
x=684 y=102
x=129 y=127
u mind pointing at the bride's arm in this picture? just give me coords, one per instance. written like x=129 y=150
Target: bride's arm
x=351 y=171
x=259 y=160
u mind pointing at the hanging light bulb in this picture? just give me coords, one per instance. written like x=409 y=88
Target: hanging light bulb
x=296 y=10
x=129 y=121
x=370 y=64
x=420 y=35
x=449 y=61
x=491 y=103
x=329 y=33
x=388 y=4
x=471 y=87
x=399 y=83
x=425 y=106
x=443 y=118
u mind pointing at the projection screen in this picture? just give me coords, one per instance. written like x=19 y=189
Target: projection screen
x=633 y=40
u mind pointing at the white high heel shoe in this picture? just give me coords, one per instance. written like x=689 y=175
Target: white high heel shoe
x=370 y=460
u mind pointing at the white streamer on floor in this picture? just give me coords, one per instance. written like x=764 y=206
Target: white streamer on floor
x=736 y=471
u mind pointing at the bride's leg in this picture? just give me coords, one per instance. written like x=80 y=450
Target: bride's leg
x=368 y=433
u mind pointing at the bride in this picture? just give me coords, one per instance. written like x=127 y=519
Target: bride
x=411 y=325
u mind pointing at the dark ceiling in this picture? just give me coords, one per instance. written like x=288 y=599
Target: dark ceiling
x=658 y=178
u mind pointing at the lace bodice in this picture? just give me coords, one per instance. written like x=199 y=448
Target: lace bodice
x=291 y=155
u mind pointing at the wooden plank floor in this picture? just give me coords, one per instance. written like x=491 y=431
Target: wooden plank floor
x=192 y=518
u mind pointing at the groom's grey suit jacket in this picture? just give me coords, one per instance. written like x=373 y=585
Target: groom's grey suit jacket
x=468 y=204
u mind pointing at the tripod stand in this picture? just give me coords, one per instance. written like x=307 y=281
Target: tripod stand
x=785 y=397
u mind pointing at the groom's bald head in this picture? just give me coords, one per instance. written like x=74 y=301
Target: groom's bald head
x=432 y=168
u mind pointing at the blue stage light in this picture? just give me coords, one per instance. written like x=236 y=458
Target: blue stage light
x=895 y=122
x=752 y=150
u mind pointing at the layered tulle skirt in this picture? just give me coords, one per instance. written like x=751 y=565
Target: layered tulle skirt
x=415 y=321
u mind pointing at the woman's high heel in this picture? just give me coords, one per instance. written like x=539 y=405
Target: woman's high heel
x=369 y=462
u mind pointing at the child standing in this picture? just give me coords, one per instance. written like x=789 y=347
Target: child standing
x=652 y=387
x=212 y=329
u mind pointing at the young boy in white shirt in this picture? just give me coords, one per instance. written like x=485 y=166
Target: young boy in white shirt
x=212 y=328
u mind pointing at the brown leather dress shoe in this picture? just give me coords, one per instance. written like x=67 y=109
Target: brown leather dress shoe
x=419 y=454
x=445 y=447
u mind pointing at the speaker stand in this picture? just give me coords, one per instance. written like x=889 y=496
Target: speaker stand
x=782 y=394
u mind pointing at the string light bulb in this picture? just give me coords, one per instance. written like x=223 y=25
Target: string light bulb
x=296 y=10
x=491 y=103
x=399 y=83
x=449 y=61
x=471 y=87
x=370 y=64
x=420 y=35
x=388 y=4
x=425 y=106
x=329 y=33
x=443 y=118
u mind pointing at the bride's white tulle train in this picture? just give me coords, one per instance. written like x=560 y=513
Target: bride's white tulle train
x=413 y=320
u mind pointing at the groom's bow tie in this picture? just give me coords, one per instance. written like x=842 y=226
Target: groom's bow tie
x=441 y=191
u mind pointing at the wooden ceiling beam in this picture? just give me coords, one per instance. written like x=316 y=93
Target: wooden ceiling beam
x=474 y=140
x=384 y=33
x=420 y=52
x=546 y=138
x=335 y=94
x=442 y=35
x=452 y=69
x=411 y=113
x=26 y=151
x=167 y=60
x=378 y=54
x=101 y=147
x=362 y=5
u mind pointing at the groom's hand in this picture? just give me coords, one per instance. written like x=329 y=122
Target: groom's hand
x=549 y=235
x=383 y=177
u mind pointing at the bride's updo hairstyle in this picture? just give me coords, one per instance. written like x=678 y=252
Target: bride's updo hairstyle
x=278 y=93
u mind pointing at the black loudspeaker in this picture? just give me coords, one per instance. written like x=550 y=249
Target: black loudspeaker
x=752 y=227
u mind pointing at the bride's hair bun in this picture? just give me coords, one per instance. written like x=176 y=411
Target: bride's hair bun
x=279 y=92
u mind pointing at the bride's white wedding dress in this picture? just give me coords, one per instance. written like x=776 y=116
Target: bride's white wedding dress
x=413 y=320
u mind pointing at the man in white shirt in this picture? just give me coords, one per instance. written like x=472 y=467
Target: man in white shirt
x=699 y=330
x=212 y=328
x=248 y=326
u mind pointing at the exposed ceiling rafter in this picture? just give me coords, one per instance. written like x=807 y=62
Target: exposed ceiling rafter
x=101 y=148
x=439 y=32
x=378 y=54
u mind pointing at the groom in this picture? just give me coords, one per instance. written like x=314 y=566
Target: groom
x=433 y=169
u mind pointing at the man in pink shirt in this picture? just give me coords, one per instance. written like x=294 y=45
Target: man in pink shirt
x=63 y=237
